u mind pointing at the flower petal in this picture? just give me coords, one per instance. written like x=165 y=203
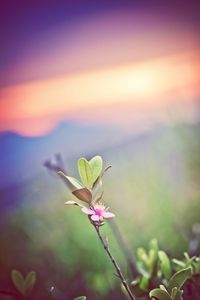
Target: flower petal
x=101 y=218
x=95 y=218
x=87 y=211
x=108 y=215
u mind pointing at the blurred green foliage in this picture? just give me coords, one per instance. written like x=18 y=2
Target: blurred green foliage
x=162 y=277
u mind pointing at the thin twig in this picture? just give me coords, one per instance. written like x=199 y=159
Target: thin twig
x=106 y=247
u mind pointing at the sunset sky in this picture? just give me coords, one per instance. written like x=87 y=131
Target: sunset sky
x=112 y=64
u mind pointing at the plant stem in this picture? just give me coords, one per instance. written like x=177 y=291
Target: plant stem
x=119 y=273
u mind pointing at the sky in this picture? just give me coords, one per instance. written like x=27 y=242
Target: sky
x=120 y=63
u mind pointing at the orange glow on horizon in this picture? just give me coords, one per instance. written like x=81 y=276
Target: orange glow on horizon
x=34 y=108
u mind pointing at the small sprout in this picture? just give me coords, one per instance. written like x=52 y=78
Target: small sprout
x=148 y=260
x=90 y=173
x=23 y=285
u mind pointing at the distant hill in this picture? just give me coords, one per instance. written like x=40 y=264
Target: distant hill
x=23 y=157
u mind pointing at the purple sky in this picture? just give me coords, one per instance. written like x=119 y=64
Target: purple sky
x=22 y=21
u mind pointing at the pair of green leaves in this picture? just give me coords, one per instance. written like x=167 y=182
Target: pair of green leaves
x=173 y=291
x=154 y=258
x=147 y=259
x=23 y=284
x=147 y=263
x=89 y=172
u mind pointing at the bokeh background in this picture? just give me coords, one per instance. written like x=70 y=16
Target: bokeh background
x=81 y=78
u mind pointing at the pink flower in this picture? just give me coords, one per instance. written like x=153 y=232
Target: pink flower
x=97 y=212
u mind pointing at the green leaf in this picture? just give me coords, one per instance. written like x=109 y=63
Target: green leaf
x=179 y=263
x=18 y=281
x=196 y=265
x=177 y=295
x=165 y=264
x=153 y=245
x=152 y=258
x=97 y=185
x=159 y=294
x=142 y=270
x=74 y=203
x=144 y=283
x=142 y=255
x=162 y=287
x=80 y=298
x=85 y=172
x=29 y=281
x=96 y=164
x=187 y=256
x=97 y=188
x=72 y=182
x=83 y=194
x=174 y=292
x=179 y=278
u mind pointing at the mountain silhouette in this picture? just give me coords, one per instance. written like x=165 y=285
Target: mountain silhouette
x=23 y=157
